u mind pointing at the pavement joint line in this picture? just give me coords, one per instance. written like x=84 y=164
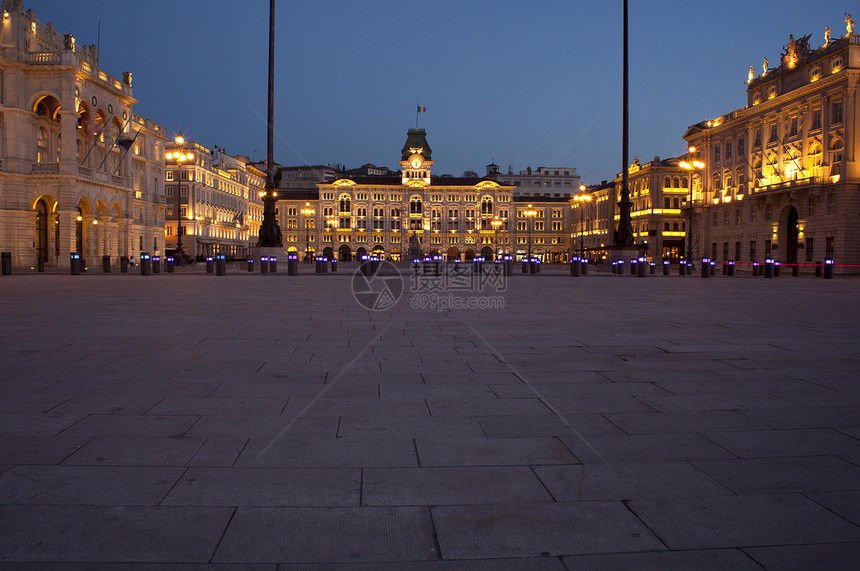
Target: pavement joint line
x=322 y=392
x=537 y=393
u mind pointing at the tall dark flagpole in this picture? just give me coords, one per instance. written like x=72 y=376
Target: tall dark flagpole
x=270 y=232
x=624 y=233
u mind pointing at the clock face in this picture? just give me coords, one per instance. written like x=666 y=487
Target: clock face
x=416 y=163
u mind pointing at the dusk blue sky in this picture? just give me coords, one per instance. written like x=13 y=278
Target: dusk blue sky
x=525 y=83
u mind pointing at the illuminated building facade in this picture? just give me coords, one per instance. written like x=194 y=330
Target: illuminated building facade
x=459 y=218
x=545 y=182
x=780 y=177
x=214 y=197
x=79 y=171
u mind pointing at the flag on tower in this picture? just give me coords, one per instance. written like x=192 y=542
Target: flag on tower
x=422 y=109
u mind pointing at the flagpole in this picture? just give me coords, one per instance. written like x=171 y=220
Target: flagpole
x=417 y=111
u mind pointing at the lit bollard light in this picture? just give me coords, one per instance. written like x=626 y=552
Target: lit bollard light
x=168 y=264
x=756 y=269
x=292 y=264
x=210 y=265
x=250 y=264
x=828 y=269
x=633 y=270
x=273 y=264
x=220 y=265
x=730 y=268
x=776 y=268
x=652 y=268
x=768 y=267
x=509 y=264
x=525 y=265
x=156 y=264
x=706 y=267
x=75 y=263
x=584 y=265
x=641 y=267
x=666 y=267
x=145 y=264
x=682 y=268
x=264 y=264
x=333 y=264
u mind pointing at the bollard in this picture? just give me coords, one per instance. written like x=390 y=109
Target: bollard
x=633 y=270
x=818 y=268
x=525 y=265
x=828 y=269
x=508 y=260
x=641 y=266
x=666 y=266
x=318 y=265
x=250 y=264
x=374 y=265
x=210 y=264
x=682 y=268
x=365 y=265
x=333 y=264
x=756 y=269
x=220 y=265
x=145 y=264
x=75 y=263
x=653 y=267
x=776 y=267
x=292 y=264
x=273 y=265
x=156 y=264
x=264 y=264
x=40 y=266
x=768 y=267
x=478 y=265
x=795 y=270
x=730 y=268
x=584 y=264
x=706 y=267
x=575 y=267
x=533 y=268
x=7 y=263
x=106 y=264
x=123 y=264
x=168 y=265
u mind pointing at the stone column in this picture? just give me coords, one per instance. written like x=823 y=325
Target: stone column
x=69 y=142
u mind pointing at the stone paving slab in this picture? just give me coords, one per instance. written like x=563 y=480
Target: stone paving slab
x=665 y=423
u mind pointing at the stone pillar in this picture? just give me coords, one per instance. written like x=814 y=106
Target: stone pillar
x=68 y=236
x=69 y=141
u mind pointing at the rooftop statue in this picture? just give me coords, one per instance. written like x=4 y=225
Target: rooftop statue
x=849 y=24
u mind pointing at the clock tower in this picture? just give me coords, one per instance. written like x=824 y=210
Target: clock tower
x=415 y=158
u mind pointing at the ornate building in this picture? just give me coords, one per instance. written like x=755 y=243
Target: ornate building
x=458 y=218
x=215 y=199
x=79 y=171
x=780 y=177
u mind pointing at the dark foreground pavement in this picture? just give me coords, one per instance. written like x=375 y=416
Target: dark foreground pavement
x=266 y=421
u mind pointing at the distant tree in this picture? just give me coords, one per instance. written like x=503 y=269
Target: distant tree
x=470 y=174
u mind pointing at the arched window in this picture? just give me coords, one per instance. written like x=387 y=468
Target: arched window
x=814 y=155
x=740 y=174
x=486 y=205
x=685 y=183
x=675 y=226
x=41 y=145
x=718 y=181
x=666 y=227
x=667 y=182
x=676 y=182
x=727 y=175
x=415 y=206
x=836 y=148
x=345 y=204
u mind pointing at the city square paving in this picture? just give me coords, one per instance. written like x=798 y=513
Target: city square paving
x=272 y=422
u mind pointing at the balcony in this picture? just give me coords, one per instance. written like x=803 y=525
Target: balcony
x=45 y=168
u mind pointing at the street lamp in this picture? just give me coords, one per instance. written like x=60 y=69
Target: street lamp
x=495 y=223
x=690 y=167
x=307 y=212
x=180 y=156
x=582 y=199
x=331 y=226
x=530 y=213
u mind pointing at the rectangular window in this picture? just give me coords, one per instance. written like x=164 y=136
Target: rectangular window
x=831 y=203
x=169 y=190
x=729 y=150
x=168 y=175
x=714 y=252
x=714 y=218
x=741 y=146
x=828 y=247
x=837 y=112
x=737 y=250
x=183 y=191
x=538 y=226
x=725 y=251
x=184 y=175
x=757 y=140
x=810 y=249
x=811 y=206
x=717 y=153
x=793 y=131
x=767 y=248
x=816 y=119
x=752 y=250
x=556 y=226
x=752 y=213
x=773 y=134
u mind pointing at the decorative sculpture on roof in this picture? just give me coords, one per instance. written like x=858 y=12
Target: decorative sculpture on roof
x=826 y=35
x=849 y=24
x=765 y=66
x=795 y=49
x=751 y=75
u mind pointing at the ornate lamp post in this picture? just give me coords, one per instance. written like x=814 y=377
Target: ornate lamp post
x=690 y=167
x=582 y=199
x=530 y=213
x=307 y=212
x=495 y=223
x=180 y=156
